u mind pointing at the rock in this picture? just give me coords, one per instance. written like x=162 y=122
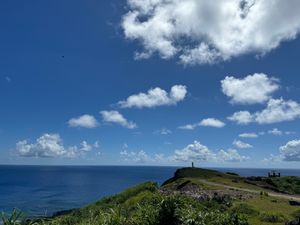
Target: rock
x=294 y=222
x=294 y=203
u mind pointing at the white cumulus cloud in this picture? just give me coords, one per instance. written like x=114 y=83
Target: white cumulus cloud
x=241 y=144
x=138 y=157
x=291 y=151
x=50 y=146
x=116 y=117
x=188 y=126
x=84 y=146
x=194 y=152
x=205 y=32
x=256 y=88
x=277 y=110
x=212 y=122
x=86 y=121
x=231 y=155
x=155 y=97
x=209 y=122
x=275 y=132
x=241 y=117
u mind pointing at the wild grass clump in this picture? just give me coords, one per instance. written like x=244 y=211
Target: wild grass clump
x=272 y=217
x=15 y=218
x=244 y=209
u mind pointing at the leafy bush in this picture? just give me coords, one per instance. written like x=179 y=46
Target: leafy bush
x=191 y=217
x=168 y=212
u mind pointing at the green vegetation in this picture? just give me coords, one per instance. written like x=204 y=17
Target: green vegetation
x=192 y=197
x=145 y=205
x=245 y=209
x=190 y=172
x=289 y=185
x=197 y=174
x=13 y=219
x=260 y=208
x=272 y=217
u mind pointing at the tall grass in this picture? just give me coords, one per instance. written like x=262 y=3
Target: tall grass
x=15 y=218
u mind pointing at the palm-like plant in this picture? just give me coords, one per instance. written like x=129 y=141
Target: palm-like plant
x=15 y=218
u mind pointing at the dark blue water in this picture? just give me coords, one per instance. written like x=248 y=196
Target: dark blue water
x=43 y=190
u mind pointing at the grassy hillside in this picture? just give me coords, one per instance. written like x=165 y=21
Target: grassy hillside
x=289 y=185
x=192 y=197
x=198 y=173
x=260 y=208
x=144 y=204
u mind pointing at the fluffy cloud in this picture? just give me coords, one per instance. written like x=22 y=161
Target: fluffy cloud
x=231 y=155
x=84 y=146
x=86 y=121
x=248 y=135
x=241 y=144
x=188 y=127
x=277 y=110
x=50 y=146
x=291 y=151
x=116 y=117
x=138 y=157
x=198 y=152
x=256 y=88
x=212 y=122
x=204 y=32
x=209 y=122
x=141 y=156
x=276 y=132
x=273 y=158
x=241 y=117
x=194 y=152
x=155 y=97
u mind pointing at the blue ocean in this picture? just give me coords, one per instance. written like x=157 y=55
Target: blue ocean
x=43 y=190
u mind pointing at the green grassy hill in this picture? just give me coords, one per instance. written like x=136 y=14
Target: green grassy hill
x=288 y=185
x=192 y=197
x=144 y=204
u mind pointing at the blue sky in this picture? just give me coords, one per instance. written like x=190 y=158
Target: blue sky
x=67 y=72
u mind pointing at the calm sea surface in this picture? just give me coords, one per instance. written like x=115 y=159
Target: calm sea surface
x=43 y=190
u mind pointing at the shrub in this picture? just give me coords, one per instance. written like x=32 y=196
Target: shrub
x=168 y=211
x=215 y=217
